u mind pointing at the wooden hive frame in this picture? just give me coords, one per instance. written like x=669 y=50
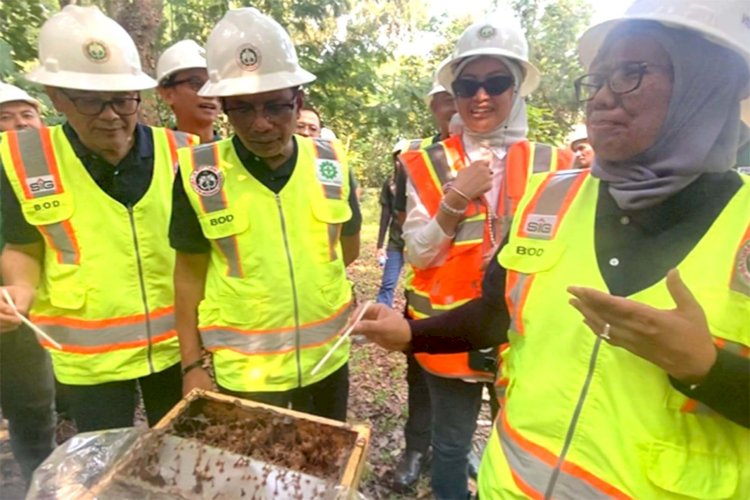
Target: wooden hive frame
x=353 y=469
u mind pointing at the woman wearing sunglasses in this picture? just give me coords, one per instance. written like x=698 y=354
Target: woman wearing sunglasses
x=650 y=251
x=462 y=193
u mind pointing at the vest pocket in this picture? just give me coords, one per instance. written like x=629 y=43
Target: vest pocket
x=48 y=209
x=691 y=473
x=223 y=223
x=332 y=211
x=530 y=256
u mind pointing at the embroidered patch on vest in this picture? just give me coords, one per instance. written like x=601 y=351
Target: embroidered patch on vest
x=329 y=172
x=207 y=180
x=743 y=264
x=540 y=225
x=41 y=184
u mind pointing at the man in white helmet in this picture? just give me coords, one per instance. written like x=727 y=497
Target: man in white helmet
x=181 y=72
x=85 y=207
x=26 y=381
x=264 y=223
x=583 y=153
x=18 y=110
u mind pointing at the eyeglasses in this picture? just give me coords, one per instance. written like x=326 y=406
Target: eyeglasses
x=195 y=84
x=93 y=106
x=494 y=85
x=272 y=111
x=622 y=80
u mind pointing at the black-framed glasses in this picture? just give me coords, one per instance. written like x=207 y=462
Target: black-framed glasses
x=272 y=111
x=622 y=80
x=195 y=84
x=494 y=85
x=93 y=106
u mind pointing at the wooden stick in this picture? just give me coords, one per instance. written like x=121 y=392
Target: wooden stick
x=344 y=336
x=28 y=323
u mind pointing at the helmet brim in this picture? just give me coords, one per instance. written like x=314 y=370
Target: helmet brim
x=93 y=82
x=531 y=74
x=592 y=39
x=256 y=84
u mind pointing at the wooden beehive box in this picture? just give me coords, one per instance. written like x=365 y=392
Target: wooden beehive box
x=215 y=446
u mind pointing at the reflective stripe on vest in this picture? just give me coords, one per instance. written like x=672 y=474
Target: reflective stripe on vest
x=324 y=151
x=38 y=169
x=277 y=341
x=97 y=336
x=177 y=140
x=207 y=155
x=532 y=467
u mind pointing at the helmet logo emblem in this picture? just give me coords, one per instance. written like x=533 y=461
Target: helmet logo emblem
x=248 y=57
x=96 y=51
x=486 y=32
x=207 y=180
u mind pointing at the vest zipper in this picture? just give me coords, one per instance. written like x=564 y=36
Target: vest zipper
x=142 y=282
x=294 y=292
x=574 y=420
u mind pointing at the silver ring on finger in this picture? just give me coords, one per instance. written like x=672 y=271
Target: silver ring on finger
x=605 y=332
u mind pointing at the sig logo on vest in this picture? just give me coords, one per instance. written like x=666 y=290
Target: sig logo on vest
x=41 y=184
x=206 y=180
x=222 y=219
x=540 y=225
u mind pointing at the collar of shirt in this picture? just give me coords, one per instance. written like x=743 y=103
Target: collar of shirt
x=273 y=179
x=142 y=150
x=708 y=194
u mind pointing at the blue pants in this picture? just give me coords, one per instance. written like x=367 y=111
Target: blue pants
x=391 y=272
x=27 y=396
x=455 y=408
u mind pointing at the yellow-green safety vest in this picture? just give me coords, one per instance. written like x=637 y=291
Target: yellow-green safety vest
x=276 y=293
x=106 y=292
x=584 y=419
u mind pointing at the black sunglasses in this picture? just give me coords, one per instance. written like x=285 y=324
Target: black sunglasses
x=494 y=85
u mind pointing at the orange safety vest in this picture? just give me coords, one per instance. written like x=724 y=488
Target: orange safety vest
x=459 y=279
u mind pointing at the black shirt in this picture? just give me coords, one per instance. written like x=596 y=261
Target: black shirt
x=646 y=245
x=388 y=219
x=126 y=182
x=185 y=233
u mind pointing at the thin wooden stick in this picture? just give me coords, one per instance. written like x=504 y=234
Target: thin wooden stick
x=26 y=321
x=344 y=336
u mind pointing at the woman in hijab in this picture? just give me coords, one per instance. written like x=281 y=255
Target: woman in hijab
x=461 y=194
x=650 y=251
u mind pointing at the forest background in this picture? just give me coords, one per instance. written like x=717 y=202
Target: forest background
x=374 y=59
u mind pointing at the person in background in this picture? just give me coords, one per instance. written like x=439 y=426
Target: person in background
x=417 y=431
x=583 y=154
x=88 y=201
x=390 y=258
x=462 y=194
x=628 y=308
x=264 y=224
x=309 y=123
x=181 y=72
x=27 y=385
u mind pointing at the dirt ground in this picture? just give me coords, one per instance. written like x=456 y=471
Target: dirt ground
x=377 y=395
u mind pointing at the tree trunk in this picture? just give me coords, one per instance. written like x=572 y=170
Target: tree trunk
x=141 y=18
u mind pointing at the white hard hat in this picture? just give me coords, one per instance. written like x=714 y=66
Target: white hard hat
x=499 y=34
x=401 y=146
x=723 y=22
x=11 y=93
x=185 y=54
x=249 y=53
x=579 y=133
x=327 y=134
x=81 y=48
x=436 y=87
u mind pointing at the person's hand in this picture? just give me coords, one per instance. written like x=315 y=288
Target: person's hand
x=474 y=180
x=385 y=327
x=380 y=256
x=197 y=378
x=23 y=297
x=676 y=340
